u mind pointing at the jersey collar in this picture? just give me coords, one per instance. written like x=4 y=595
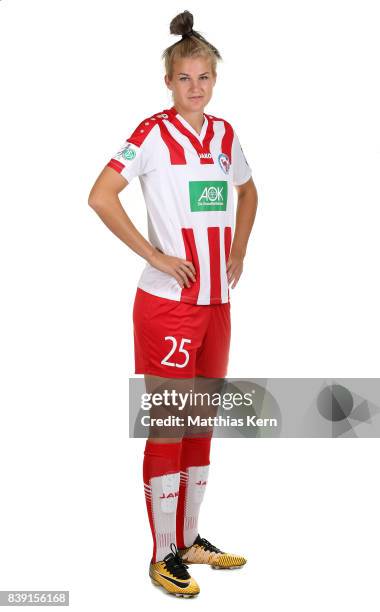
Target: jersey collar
x=173 y=113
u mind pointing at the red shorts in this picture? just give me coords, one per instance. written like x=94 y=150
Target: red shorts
x=179 y=340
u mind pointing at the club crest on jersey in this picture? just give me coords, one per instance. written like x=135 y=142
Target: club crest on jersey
x=127 y=152
x=224 y=162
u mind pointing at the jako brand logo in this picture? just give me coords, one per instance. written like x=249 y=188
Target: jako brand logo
x=205 y=155
x=167 y=496
x=201 y=482
x=208 y=195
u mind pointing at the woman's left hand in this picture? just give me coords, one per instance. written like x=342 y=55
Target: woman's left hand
x=234 y=269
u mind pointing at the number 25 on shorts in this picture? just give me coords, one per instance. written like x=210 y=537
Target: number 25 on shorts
x=180 y=350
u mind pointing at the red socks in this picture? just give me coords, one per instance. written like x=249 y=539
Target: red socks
x=161 y=469
x=175 y=477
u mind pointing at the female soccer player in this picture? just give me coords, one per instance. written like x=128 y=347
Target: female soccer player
x=188 y=163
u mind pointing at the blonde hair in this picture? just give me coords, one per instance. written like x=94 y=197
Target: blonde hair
x=192 y=44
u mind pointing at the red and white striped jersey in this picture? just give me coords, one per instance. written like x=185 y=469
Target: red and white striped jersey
x=187 y=182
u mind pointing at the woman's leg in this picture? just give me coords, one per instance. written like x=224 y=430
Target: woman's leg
x=161 y=468
x=195 y=462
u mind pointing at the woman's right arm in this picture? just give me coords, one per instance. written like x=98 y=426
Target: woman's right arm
x=104 y=199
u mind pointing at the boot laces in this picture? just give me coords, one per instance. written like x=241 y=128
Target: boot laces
x=175 y=565
x=207 y=545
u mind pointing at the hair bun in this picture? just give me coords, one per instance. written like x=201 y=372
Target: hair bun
x=182 y=23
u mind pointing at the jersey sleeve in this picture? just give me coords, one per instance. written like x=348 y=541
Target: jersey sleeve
x=241 y=171
x=135 y=157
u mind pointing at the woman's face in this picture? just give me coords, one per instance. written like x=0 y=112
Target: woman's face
x=192 y=83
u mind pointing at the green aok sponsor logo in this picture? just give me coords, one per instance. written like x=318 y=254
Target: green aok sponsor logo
x=208 y=195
